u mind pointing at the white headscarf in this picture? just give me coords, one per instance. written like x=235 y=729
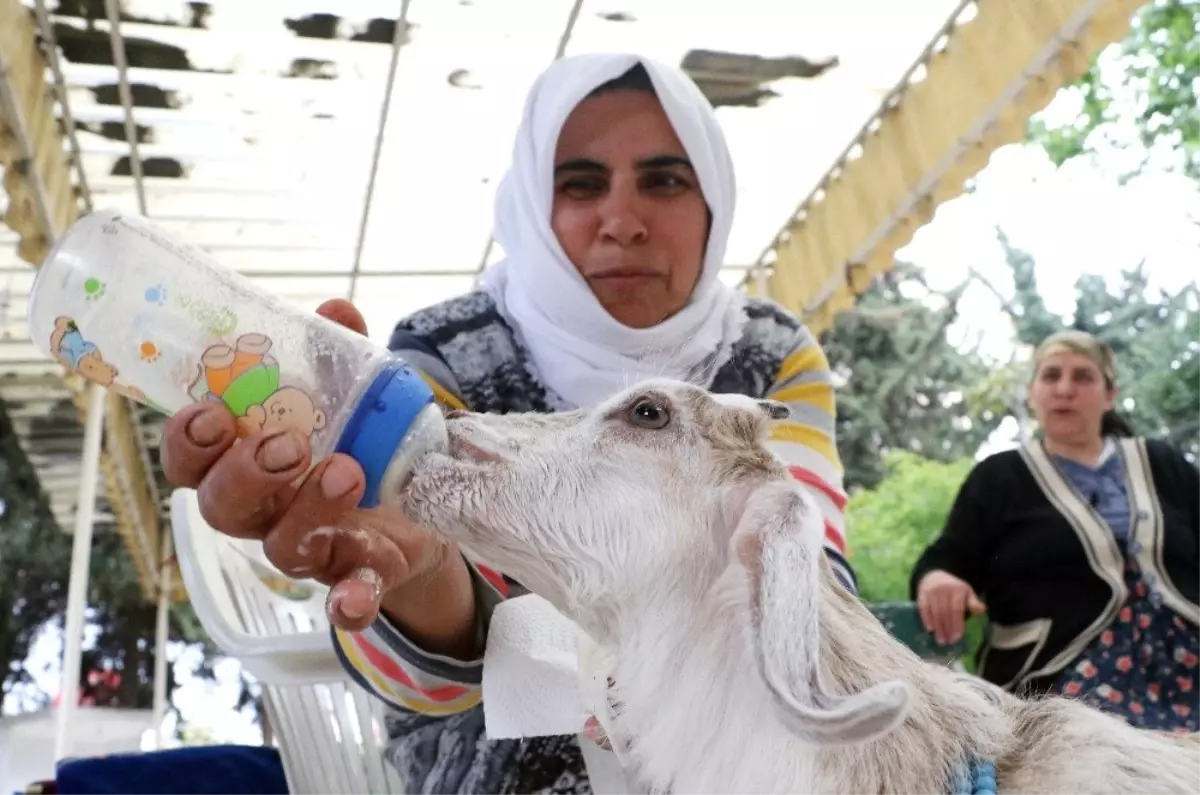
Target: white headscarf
x=579 y=351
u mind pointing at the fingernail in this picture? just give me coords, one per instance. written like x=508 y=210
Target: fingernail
x=205 y=429
x=280 y=453
x=338 y=479
x=351 y=613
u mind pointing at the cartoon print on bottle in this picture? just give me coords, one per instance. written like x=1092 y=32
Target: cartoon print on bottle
x=245 y=378
x=69 y=347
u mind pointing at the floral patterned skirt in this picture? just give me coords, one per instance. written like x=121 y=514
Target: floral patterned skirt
x=1144 y=667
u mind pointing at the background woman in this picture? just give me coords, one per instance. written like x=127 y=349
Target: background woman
x=1084 y=546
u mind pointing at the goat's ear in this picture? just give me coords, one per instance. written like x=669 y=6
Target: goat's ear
x=778 y=542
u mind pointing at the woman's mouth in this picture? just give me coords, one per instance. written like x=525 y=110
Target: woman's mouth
x=623 y=280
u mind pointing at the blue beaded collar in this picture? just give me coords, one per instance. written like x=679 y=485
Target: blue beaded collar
x=979 y=779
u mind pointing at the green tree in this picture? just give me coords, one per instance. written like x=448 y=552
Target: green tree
x=35 y=557
x=905 y=382
x=1154 y=334
x=1144 y=88
x=896 y=520
x=190 y=734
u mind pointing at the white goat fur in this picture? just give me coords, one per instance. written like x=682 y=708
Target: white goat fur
x=741 y=665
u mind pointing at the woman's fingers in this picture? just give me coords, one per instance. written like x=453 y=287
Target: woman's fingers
x=300 y=541
x=343 y=313
x=943 y=601
x=952 y=608
x=935 y=606
x=374 y=554
x=193 y=440
x=250 y=485
x=321 y=535
x=353 y=603
x=365 y=566
x=925 y=608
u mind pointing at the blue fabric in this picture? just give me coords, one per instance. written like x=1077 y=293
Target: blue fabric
x=215 y=769
x=1104 y=488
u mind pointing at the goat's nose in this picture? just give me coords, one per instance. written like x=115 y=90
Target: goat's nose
x=455 y=413
x=775 y=410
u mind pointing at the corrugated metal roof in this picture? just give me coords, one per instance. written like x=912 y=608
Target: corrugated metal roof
x=257 y=124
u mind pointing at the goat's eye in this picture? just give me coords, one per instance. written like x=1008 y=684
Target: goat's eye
x=647 y=414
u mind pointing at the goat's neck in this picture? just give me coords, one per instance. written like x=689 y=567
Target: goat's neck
x=697 y=717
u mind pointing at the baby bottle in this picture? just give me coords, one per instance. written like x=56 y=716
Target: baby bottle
x=137 y=311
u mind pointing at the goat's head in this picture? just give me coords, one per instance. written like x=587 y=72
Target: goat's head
x=661 y=488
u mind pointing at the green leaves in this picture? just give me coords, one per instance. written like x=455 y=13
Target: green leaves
x=35 y=558
x=905 y=382
x=892 y=523
x=1142 y=90
x=1155 y=336
x=1069 y=140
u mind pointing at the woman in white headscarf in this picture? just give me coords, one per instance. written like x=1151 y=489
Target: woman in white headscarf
x=614 y=217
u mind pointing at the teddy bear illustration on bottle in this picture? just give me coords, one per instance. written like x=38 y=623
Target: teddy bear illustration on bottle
x=245 y=377
x=74 y=352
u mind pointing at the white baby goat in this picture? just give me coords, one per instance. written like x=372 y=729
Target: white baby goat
x=663 y=526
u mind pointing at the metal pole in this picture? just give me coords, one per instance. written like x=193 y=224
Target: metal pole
x=81 y=547
x=60 y=92
x=161 y=629
x=563 y=40
x=397 y=42
x=81 y=553
x=113 y=10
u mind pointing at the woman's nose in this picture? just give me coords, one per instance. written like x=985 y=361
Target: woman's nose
x=621 y=219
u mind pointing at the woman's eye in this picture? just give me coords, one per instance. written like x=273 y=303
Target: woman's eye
x=666 y=181
x=650 y=415
x=581 y=188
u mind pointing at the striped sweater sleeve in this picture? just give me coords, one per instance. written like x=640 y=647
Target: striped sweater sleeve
x=381 y=659
x=806 y=442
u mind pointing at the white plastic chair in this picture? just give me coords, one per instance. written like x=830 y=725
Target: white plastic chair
x=330 y=732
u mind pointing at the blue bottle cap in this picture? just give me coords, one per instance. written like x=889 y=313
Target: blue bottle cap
x=382 y=417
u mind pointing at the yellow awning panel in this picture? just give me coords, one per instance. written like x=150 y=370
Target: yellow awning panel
x=977 y=94
x=26 y=116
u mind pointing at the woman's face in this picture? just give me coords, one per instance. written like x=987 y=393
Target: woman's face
x=1069 y=397
x=628 y=210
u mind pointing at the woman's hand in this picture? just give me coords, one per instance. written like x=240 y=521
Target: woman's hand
x=944 y=601
x=261 y=488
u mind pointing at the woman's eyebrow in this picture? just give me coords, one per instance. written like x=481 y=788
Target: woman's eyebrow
x=665 y=161
x=580 y=164
x=656 y=161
